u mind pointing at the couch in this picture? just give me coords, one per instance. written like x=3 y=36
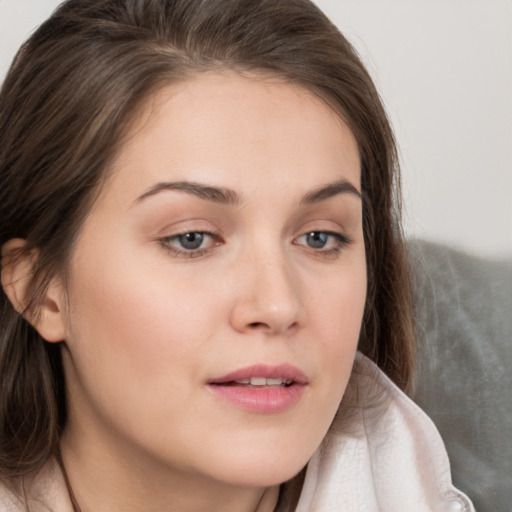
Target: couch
x=463 y=317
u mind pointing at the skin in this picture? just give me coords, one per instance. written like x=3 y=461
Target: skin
x=145 y=325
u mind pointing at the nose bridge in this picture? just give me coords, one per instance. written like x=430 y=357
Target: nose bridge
x=269 y=294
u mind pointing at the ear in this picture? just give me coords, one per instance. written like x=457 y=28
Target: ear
x=47 y=316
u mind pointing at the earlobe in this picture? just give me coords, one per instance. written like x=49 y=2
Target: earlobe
x=47 y=315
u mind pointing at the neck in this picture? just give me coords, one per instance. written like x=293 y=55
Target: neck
x=103 y=481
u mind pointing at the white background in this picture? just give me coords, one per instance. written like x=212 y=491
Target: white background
x=444 y=69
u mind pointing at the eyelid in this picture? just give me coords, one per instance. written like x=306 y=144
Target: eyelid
x=187 y=224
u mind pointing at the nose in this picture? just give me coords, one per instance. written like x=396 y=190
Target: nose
x=267 y=296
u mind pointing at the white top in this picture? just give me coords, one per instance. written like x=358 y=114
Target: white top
x=383 y=454
x=388 y=458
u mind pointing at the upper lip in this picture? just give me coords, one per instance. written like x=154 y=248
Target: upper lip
x=284 y=371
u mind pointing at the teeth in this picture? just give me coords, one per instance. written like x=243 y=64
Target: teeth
x=262 y=381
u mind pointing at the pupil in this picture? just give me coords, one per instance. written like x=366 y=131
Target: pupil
x=317 y=239
x=191 y=240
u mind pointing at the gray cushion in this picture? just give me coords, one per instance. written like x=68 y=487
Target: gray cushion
x=463 y=309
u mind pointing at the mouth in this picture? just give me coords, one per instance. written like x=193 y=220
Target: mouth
x=263 y=375
x=261 y=388
x=258 y=382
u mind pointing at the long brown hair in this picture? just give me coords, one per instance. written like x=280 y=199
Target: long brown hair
x=68 y=98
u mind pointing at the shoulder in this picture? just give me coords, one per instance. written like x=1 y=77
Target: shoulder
x=382 y=454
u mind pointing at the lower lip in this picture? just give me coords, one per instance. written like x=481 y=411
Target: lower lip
x=265 y=400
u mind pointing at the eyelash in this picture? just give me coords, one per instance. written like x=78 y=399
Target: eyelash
x=341 y=241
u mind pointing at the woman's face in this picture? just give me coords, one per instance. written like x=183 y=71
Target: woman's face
x=216 y=290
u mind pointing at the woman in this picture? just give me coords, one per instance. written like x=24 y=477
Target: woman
x=199 y=228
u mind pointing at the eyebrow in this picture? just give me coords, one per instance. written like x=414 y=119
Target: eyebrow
x=219 y=195
x=327 y=191
x=226 y=196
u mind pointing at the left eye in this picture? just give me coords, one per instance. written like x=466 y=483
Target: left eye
x=325 y=240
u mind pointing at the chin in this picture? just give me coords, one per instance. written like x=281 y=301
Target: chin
x=262 y=472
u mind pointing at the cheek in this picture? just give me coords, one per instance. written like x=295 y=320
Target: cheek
x=138 y=350
x=137 y=323
x=336 y=315
x=336 y=303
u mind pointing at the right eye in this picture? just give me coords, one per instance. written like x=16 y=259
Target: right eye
x=191 y=241
x=191 y=244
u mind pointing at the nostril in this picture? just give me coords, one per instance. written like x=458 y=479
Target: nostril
x=259 y=325
x=267 y=327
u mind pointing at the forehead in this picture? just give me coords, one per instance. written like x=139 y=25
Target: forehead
x=224 y=127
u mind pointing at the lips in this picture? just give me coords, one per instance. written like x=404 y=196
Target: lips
x=261 y=388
